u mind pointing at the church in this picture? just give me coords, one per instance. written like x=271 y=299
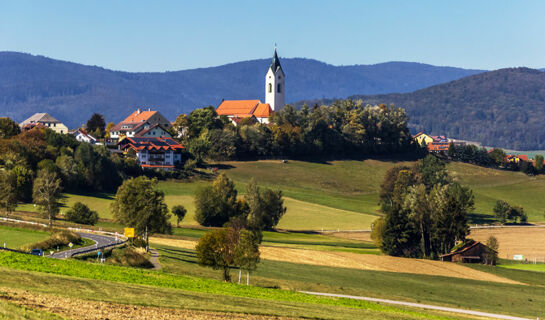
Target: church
x=237 y=110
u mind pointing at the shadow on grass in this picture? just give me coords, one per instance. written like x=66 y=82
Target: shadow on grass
x=480 y=218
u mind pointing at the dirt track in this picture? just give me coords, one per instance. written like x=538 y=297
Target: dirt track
x=95 y=310
x=528 y=241
x=360 y=261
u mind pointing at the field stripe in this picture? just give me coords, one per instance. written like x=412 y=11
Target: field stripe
x=417 y=305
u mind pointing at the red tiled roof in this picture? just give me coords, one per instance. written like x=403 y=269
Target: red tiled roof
x=237 y=107
x=159 y=143
x=263 y=110
x=139 y=116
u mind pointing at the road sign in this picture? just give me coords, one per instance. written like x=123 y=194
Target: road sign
x=70 y=244
x=518 y=257
x=98 y=252
x=129 y=232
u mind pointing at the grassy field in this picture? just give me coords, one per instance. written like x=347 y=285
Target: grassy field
x=9 y=311
x=17 y=237
x=119 y=284
x=339 y=194
x=540 y=267
x=522 y=300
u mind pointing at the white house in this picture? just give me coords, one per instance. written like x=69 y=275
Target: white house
x=155 y=153
x=138 y=121
x=83 y=136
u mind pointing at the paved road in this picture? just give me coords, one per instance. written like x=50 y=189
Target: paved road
x=418 y=305
x=99 y=240
x=154 y=259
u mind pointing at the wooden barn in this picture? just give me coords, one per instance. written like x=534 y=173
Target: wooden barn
x=470 y=252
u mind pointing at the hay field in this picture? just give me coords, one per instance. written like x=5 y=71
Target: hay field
x=528 y=241
x=79 y=309
x=359 y=261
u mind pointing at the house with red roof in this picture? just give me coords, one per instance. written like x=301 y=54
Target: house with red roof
x=143 y=123
x=152 y=152
x=236 y=110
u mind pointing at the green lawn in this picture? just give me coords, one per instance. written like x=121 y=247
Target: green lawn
x=521 y=300
x=17 y=237
x=125 y=285
x=339 y=194
x=528 y=267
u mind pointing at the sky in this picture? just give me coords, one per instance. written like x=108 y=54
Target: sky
x=174 y=35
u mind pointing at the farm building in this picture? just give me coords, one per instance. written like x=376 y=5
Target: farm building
x=470 y=251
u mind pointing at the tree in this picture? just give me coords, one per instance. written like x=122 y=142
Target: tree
x=229 y=247
x=179 y=212
x=433 y=171
x=109 y=127
x=265 y=208
x=498 y=157
x=247 y=252
x=139 y=205
x=501 y=210
x=538 y=163
x=492 y=246
x=23 y=183
x=216 y=249
x=8 y=192
x=80 y=213
x=46 y=193
x=96 y=122
x=216 y=204
x=8 y=128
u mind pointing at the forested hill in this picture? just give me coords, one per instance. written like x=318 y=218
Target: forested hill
x=503 y=108
x=72 y=92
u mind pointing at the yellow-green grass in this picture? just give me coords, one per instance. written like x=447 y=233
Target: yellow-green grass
x=130 y=286
x=340 y=194
x=540 y=267
x=15 y=238
x=10 y=311
x=514 y=299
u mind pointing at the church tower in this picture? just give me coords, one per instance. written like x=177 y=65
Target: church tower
x=274 y=84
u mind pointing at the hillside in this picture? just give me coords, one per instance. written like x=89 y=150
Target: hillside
x=503 y=108
x=72 y=92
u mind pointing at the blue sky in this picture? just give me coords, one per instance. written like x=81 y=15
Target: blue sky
x=174 y=35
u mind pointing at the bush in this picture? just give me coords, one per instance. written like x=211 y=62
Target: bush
x=80 y=213
x=129 y=257
x=59 y=239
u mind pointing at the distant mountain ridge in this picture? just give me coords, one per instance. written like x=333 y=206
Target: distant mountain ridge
x=71 y=92
x=502 y=108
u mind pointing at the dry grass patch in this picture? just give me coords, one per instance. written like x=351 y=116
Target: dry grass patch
x=85 y=309
x=360 y=261
x=359 y=236
x=528 y=241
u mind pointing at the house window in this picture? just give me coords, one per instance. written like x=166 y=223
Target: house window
x=270 y=87
x=279 y=88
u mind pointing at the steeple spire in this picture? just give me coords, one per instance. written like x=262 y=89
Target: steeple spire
x=275 y=63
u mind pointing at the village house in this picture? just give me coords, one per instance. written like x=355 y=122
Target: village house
x=236 y=110
x=153 y=152
x=516 y=158
x=470 y=251
x=82 y=136
x=44 y=120
x=433 y=143
x=142 y=123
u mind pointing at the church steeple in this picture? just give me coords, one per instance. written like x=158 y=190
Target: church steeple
x=274 y=84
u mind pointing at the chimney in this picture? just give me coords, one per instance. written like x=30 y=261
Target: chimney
x=138 y=111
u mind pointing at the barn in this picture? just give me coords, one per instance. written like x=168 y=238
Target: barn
x=470 y=251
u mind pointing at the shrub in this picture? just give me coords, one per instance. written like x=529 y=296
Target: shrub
x=58 y=239
x=80 y=213
x=130 y=257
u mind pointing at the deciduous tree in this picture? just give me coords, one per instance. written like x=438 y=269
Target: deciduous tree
x=179 y=212
x=8 y=192
x=46 y=193
x=80 y=213
x=140 y=205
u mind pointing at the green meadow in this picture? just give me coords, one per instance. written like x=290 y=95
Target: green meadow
x=15 y=238
x=339 y=194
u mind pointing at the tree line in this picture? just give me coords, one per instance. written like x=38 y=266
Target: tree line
x=347 y=128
